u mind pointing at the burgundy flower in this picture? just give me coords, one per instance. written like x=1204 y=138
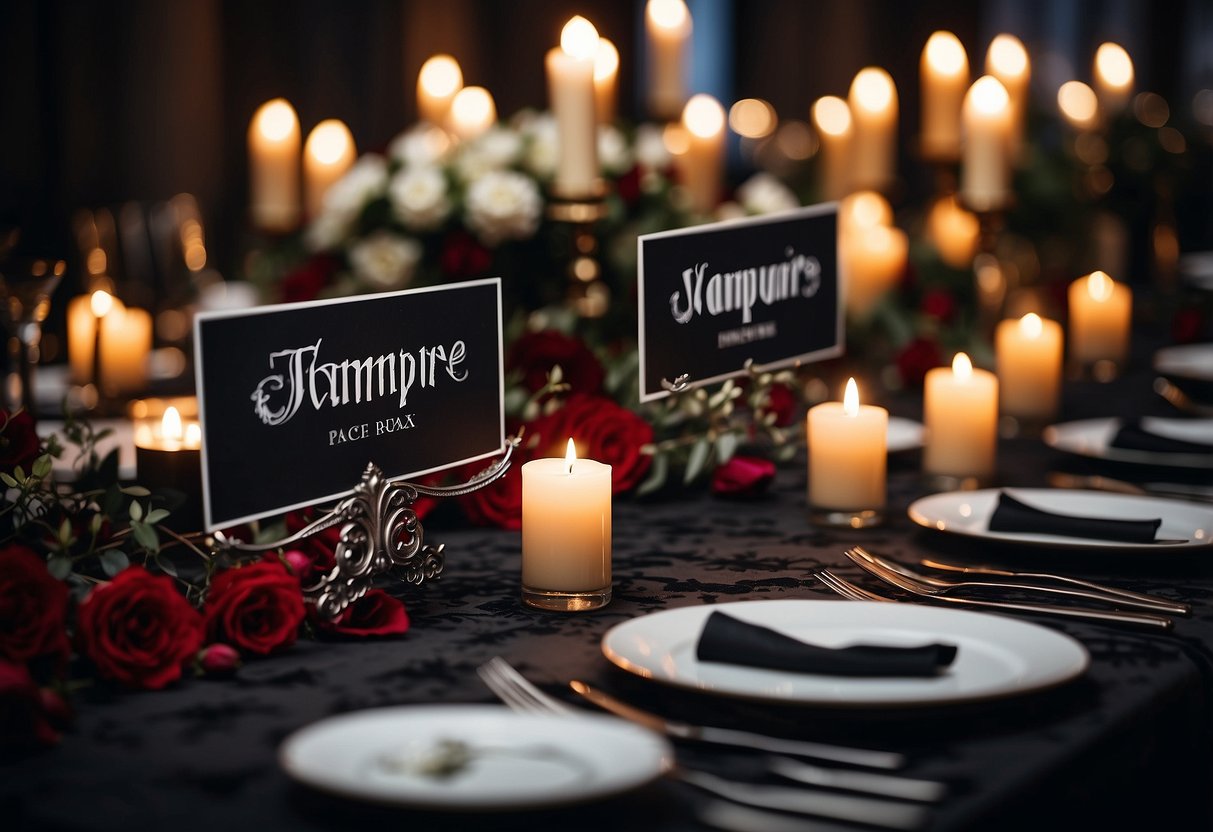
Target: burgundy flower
x=743 y=476
x=464 y=257
x=28 y=715
x=218 y=659
x=138 y=629
x=604 y=431
x=33 y=607
x=310 y=279
x=915 y=358
x=1187 y=325
x=499 y=503
x=374 y=614
x=628 y=186
x=535 y=353
x=939 y=305
x=256 y=609
x=782 y=402
x=19 y=443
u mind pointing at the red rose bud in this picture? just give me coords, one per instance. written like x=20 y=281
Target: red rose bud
x=743 y=476
x=916 y=358
x=299 y=563
x=218 y=658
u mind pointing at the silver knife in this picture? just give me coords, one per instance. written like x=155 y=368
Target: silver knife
x=868 y=782
x=739 y=739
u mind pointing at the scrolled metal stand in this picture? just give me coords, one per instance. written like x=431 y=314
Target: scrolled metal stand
x=380 y=535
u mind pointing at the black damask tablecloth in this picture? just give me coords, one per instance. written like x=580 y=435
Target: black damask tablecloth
x=1126 y=746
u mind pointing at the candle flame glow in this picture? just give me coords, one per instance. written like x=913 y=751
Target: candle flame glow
x=752 y=118
x=170 y=425
x=1099 y=286
x=570 y=455
x=606 y=60
x=329 y=142
x=832 y=115
x=945 y=54
x=579 y=38
x=850 y=399
x=675 y=139
x=703 y=116
x=1031 y=326
x=101 y=302
x=1077 y=103
x=440 y=76
x=989 y=96
x=668 y=14
x=962 y=367
x=1006 y=57
x=193 y=435
x=866 y=209
x=473 y=111
x=873 y=89
x=1113 y=65
x=276 y=119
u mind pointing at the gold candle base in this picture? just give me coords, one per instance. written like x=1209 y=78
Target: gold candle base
x=555 y=600
x=956 y=482
x=840 y=518
x=1103 y=370
x=588 y=294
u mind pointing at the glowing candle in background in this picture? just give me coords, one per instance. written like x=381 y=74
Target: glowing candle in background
x=126 y=346
x=960 y=412
x=872 y=254
x=954 y=232
x=985 y=175
x=570 y=74
x=1101 y=311
x=847 y=460
x=1078 y=105
x=327 y=154
x=273 y=148
x=702 y=164
x=832 y=118
x=944 y=74
x=1007 y=60
x=873 y=103
x=668 y=26
x=439 y=80
x=168 y=460
x=1029 y=358
x=606 y=80
x=1113 y=78
x=472 y=112
x=566 y=533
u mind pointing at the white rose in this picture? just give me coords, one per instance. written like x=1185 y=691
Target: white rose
x=613 y=152
x=385 y=261
x=503 y=205
x=729 y=211
x=328 y=231
x=542 y=147
x=344 y=201
x=420 y=146
x=650 y=149
x=495 y=149
x=419 y=198
x=764 y=194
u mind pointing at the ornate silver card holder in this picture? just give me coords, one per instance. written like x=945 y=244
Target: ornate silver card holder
x=380 y=534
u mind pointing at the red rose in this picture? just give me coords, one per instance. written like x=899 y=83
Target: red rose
x=463 y=256
x=916 y=358
x=33 y=607
x=218 y=659
x=782 y=402
x=500 y=502
x=19 y=443
x=374 y=614
x=628 y=186
x=1187 y=325
x=310 y=279
x=939 y=305
x=604 y=431
x=743 y=476
x=138 y=629
x=316 y=552
x=27 y=714
x=535 y=353
x=255 y=608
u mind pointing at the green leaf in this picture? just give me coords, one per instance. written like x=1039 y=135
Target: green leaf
x=726 y=446
x=59 y=566
x=555 y=375
x=135 y=491
x=9 y=481
x=699 y=456
x=42 y=466
x=136 y=512
x=658 y=472
x=114 y=561
x=94 y=525
x=65 y=533
x=166 y=566
x=156 y=515
x=146 y=536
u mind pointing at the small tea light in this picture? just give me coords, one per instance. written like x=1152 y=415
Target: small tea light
x=847 y=461
x=1100 y=313
x=168 y=461
x=1029 y=369
x=566 y=533
x=960 y=412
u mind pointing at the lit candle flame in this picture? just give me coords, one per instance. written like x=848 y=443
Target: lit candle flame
x=962 y=367
x=832 y=115
x=1077 y=103
x=276 y=119
x=101 y=302
x=473 y=111
x=170 y=425
x=441 y=76
x=1031 y=326
x=1099 y=286
x=850 y=399
x=193 y=435
x=668 y=14
x=570 y=456
x=989 y=96
x=1113 y=65
x=865 y=209
x=329 y=141
x=1007 y=57
x=873 y=89
x=753 y=118
x=946 y=54
x=579 y=38
x=703 y=116
x=606 y=59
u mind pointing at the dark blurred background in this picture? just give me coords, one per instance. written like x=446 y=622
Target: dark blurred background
x=105 y=102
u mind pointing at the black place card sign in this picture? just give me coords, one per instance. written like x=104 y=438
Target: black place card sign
x=713 y=297
x=296 y=399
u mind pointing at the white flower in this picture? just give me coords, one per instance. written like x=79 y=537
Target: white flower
x=419 y=197
x=503 y=205
x=495 y=149
x=542 y=146
x=385 y=261
x=613 y=152
x=729 y=211
x=327 y=231
x=650 y=148
x=420 y=146
x=345 y=199
x=764 y=194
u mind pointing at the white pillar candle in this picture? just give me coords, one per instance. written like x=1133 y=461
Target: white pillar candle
x=606 y=80
x=566 y=530
x=327 y=154
x=273 y=148
x=847 y=445
x=1007 y=60
x=473 y=111
x=1113 y=78
x=873 y=103
x=570 y=73
x=1028 y=353
x=960 y=412
x=1100 y=313
x=832 y=118
x=702 y=165
x=667 y=24
x=985 y=177
x=438 y=82
x=82 y=337
x=954 y=232
x=126 y=346
x=944 y=74
x=872 y=261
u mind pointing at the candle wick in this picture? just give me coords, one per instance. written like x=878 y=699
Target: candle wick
x=570 y=467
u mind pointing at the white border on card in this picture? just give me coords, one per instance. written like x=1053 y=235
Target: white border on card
x=817 y=355
x=271 y=309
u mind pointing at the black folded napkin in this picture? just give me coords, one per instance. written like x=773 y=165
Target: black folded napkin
x=1013 y=516
x=1133 y=437
x=727 y=640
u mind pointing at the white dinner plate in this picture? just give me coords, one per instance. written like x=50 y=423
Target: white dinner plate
x=1093 y=438
x=996 y=656
x=1187 y=361
x=1196 y=269
x=515 y=760
x=904 y=434
x=968 y=513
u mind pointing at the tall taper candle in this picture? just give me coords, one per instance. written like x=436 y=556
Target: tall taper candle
x=327 y=154
x=668 y=25
x=570 y=72
x=273 y=148
x=438 y=82
x=1007 y=60
x=873 y=103
x=944 y=73
x=985 y=177
x=832 y=118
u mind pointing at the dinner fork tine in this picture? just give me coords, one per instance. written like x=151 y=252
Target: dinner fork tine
x=516 y=690
x=847 y=589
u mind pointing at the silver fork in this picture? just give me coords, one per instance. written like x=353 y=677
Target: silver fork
x=862 y=559
x=848 y=590
x=512 y=688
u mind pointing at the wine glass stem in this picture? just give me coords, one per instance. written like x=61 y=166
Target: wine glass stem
x=24 y=345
